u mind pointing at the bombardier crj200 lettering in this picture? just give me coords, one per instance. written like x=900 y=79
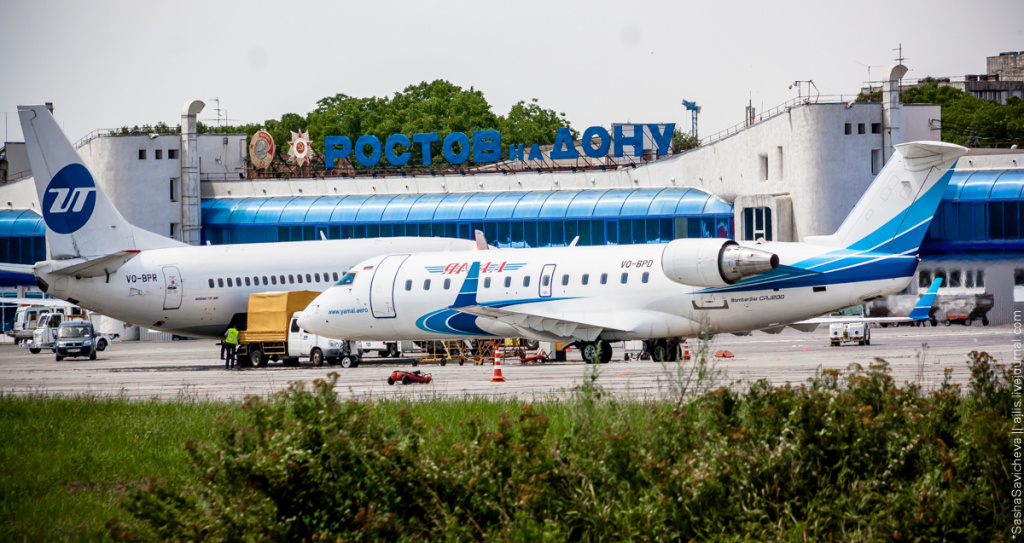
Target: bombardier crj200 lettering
x=658 y=293
x=103 y=263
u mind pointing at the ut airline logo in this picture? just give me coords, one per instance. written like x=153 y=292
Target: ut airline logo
x=69 y=200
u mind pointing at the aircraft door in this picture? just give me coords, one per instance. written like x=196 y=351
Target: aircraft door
x=382 y=286
x=172 y=288
x=547 y=276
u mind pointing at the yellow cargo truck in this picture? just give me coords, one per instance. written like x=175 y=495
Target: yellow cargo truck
x=272 y=333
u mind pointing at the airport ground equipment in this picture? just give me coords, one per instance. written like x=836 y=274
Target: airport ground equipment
x=45 y=334
x=965 y=308
x=849 y=332
x=26 y=320
x=272 y=333
x=443 y=351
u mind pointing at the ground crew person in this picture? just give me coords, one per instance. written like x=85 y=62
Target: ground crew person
x=231 y=341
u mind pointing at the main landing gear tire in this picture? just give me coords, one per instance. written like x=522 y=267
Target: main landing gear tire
x=604 y=350
x=589 y=352
x=34 y=350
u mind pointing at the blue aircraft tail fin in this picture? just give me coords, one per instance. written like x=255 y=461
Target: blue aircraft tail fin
x=924 y=305
x=467 y=294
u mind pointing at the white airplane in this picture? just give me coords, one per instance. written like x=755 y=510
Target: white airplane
x=103 y=263
x=659 y=293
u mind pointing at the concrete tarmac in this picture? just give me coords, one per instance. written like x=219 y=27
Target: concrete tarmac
x=191 y=369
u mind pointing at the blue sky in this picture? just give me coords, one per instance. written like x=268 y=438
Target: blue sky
x=106 y=64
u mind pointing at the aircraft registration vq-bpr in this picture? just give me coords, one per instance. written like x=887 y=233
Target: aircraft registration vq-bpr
x=101 y=262
x=659 y=293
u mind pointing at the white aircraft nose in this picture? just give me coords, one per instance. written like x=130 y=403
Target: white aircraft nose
x=310 y=317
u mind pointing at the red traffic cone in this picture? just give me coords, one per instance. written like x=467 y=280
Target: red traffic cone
x=686 y=350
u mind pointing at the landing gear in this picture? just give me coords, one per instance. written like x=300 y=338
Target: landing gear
x=596 y=352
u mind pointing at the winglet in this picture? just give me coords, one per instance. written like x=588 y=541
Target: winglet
x=924 y=305
x=467 y=295
x=481 y=241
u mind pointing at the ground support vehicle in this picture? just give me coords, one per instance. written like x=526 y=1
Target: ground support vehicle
x=443 y=351
x=74 y=339
x=272 y=333
x=965 y=309
x=26 y=320
x=388 y=349
x=848 y=332
x=408 y=377
x=45 y=334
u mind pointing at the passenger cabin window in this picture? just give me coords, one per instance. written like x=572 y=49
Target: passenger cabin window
x=317 y=277
x=309 y=278
x=625 y=277
x=238 y=281
x=229 y=282
x=299 y=276
x=408 y=285
x=508 y=282
x=348 y=278
x=211 y=283
x=565 y=280
x=604 y=278
x=426 y=284
x=545 y=280
x=487 y=282
x=273 y=279
x=447 y=284
x=585 y=279
x=645 y=276
x=291 y=279
x=526 y=281
x=265 y=282
x=282 y=279
x=335 y=276
x=247 y=282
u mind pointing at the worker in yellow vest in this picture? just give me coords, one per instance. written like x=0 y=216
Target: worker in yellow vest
x=231 y=342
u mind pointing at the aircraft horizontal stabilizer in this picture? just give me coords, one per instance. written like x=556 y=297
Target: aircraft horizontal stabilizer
x=97 y=267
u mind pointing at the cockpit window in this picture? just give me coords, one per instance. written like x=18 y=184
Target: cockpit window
x=347 y=278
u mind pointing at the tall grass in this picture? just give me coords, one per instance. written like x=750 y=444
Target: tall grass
x=847 y=456
x=66 y=462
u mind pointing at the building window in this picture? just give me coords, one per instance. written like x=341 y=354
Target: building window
x=142 y=154
x=924 y=279
x=174 y=189
x=757 y=223
x=876 y=161
x=876 y=128
x=860 y=128
x=848 y=129
x=764 y=167
x=172 y=154
x=955 y=278
x=159 y=154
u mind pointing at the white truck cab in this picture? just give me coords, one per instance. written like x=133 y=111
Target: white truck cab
x=848 y=332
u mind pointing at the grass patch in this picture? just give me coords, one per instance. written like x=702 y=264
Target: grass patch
x=848 y=456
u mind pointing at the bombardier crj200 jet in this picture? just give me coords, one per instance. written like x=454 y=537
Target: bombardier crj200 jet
x=659 y=293
x=103 y=263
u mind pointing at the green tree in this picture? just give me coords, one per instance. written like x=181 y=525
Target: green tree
x=682 y=141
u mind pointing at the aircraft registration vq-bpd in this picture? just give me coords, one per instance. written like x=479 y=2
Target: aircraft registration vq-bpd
x=103 y=263
x=657 y=293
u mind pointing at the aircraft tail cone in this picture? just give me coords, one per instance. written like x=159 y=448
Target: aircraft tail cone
x=498 y=377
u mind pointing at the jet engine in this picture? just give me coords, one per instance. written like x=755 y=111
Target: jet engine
x=713 y=262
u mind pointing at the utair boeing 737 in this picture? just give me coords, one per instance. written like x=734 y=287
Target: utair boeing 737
x=103 y=263
x=660 y=293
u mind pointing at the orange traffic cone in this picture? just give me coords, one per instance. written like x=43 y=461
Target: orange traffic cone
x=498 y=377
x=686 y=350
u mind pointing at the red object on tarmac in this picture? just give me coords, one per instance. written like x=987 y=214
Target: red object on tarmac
x=498 y=377
x=408 y=377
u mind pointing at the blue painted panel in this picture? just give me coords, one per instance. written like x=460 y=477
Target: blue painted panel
x=610 y=204
x=321 y=209
x=218 y=212
x=269 y=212
x=692 y=203
x=476 y=207
x=978 y=186
x=450 y=208
x=714 y=206
x=638 y=204
x=297 y=209
x=373 y=209
x=582 y=206
x=424 y=209
x=398 y=208
x=956 y=184
x=504 y=205
x=666 y=201
x=347 y=208
x=20 y=223
x=556 y=206
x=530 y=204
x=1009 y=186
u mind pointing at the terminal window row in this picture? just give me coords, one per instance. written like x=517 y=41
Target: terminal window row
x=977 y=221
x=503 y=233
x=172 y=154
x=22 y=249
x=545 y=280
x=282 y=279
x=876 y=128
x=952 y=278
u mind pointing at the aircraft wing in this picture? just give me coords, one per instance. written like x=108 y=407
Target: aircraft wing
x=545 y=325
x=98 y=266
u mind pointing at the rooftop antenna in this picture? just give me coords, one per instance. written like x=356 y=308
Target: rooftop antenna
x=692 y=106
x=222 y=114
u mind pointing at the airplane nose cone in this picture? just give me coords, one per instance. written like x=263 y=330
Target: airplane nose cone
x=310 y=317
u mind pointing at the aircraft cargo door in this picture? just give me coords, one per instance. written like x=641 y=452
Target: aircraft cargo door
x=382 y=286
x=172 y=288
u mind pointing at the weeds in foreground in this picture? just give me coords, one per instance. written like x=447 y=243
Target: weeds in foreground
x=848 y=456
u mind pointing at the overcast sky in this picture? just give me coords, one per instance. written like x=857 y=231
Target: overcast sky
x=107 y=64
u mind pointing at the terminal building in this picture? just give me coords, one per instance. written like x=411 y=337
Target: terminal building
x=787 y=173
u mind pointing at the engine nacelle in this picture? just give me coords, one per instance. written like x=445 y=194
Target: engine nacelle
x=713 y=262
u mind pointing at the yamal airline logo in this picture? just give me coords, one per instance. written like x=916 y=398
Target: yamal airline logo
x=69 y=199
